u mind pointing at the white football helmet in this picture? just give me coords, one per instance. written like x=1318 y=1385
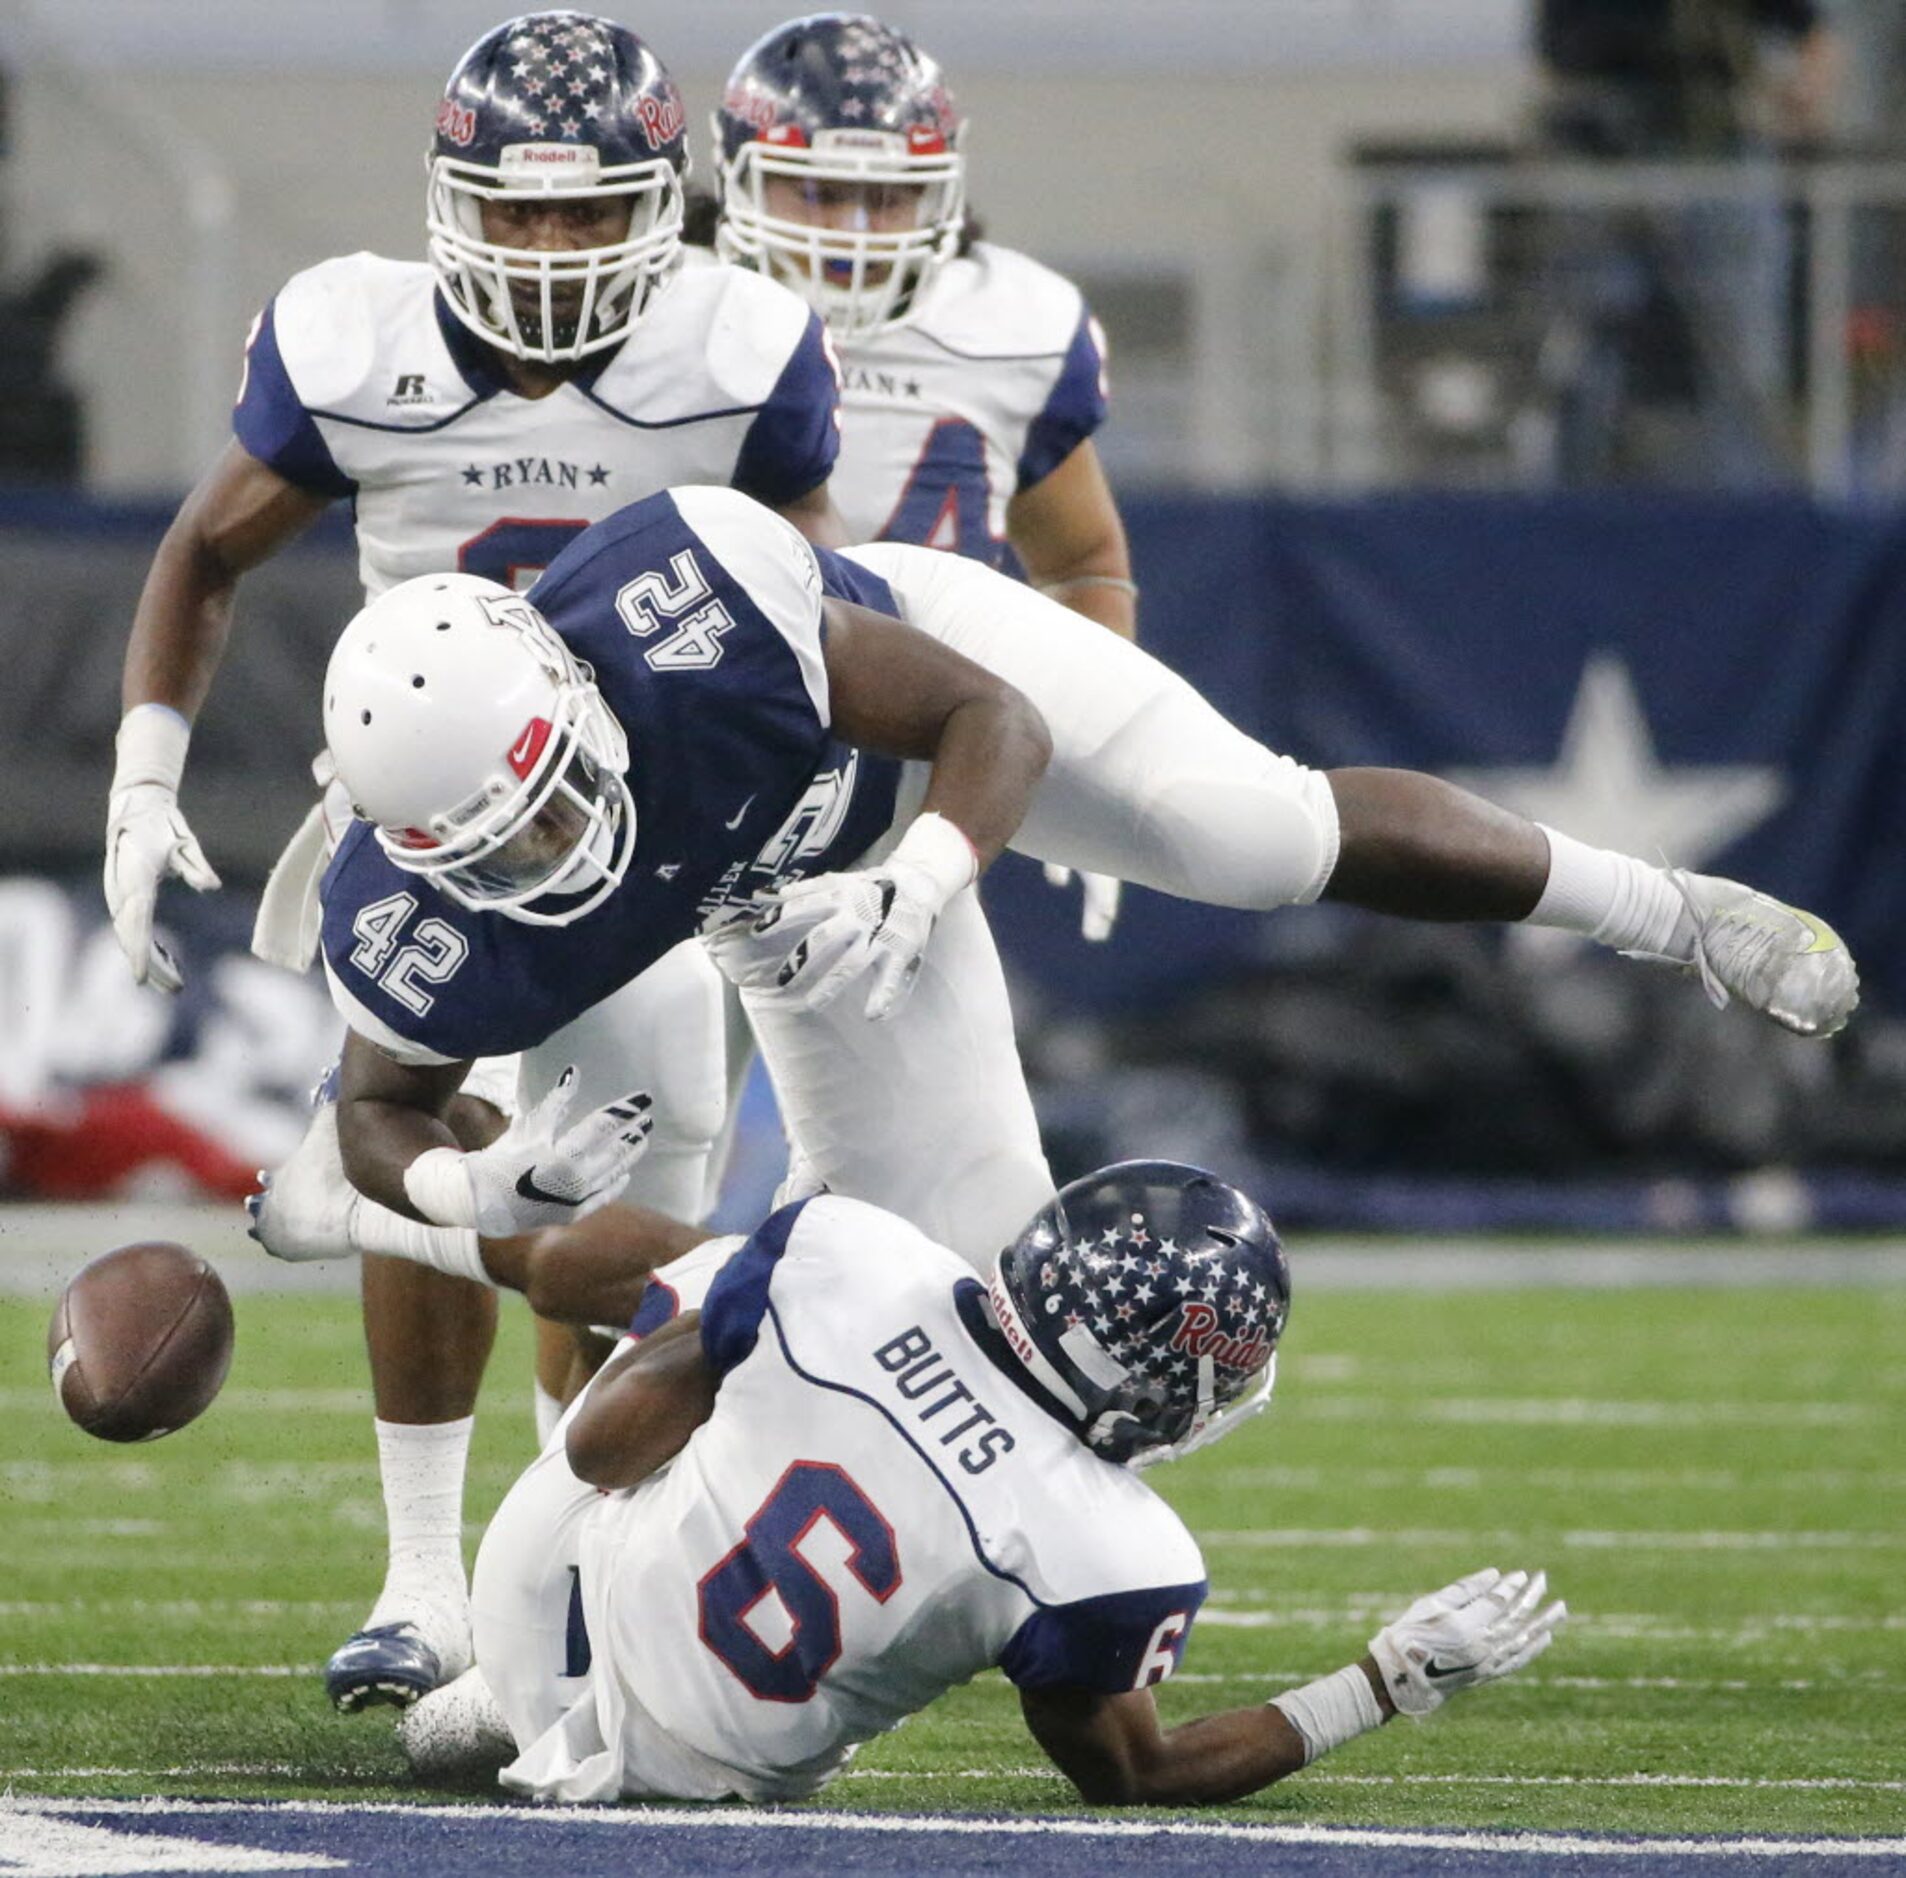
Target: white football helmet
x=479 y=747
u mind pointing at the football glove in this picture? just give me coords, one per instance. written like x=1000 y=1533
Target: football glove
x=1099 y=911
x=1480 y=1628
x=148 y=838
x=538 y=1172
x=872 y=924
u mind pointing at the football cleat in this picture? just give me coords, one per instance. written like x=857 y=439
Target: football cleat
x=304 y=1208
x=456 y=1733
x=1789 y=965
x=391 y=1663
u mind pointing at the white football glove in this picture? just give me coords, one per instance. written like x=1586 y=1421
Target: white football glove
x=1099 y=912
x=147 y=838
x=1474 y=1631
x=537 y=1173
x=872 y=923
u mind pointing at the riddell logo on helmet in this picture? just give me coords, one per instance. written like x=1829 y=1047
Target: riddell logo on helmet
x=456 y=122
x=1198 y=1335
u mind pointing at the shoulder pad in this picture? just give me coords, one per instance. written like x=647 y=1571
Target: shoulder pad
x=999 y=303
x=338 y=323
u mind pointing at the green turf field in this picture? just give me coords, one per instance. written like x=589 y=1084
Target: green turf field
x=1714 y=1480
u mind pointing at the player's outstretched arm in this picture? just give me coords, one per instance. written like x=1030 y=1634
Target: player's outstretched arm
x=1111 y=1747
x=898 y=692
x=1114 y=1750
x=240 y=513
x=643 y=1407
x=595 y=1271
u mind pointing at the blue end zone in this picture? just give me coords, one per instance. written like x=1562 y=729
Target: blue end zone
x=479 y=1842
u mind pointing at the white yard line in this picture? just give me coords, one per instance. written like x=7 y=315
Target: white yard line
x=748 y=1819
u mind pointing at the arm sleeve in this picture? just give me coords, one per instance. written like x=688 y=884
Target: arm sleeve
x=791 y=445
x=272 y=423
x=1074 y=408
x=738 y=1299
x=1123 y=1640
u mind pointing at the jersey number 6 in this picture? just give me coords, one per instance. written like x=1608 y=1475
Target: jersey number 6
x=769 y=1559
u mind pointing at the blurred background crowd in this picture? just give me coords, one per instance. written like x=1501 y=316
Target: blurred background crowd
x=1509 y=388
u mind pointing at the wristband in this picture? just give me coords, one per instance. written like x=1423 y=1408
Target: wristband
x=439 y=1187
x=451 y=1249
x=150 y=747
x=1117 y=582
x=942 y=851
x=1332 y=1710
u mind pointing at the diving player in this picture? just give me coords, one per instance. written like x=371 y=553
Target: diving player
x=972 y=377
x=775 y=1528
x=555 y=359
x=704 y=724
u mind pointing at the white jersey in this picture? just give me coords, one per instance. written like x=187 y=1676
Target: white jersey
x=997 y=379
x=360 y=384
x=875 y=1512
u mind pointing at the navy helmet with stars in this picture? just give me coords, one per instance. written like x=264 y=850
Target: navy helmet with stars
x=840 y=168
x=572 y=115
x=1147 y=1299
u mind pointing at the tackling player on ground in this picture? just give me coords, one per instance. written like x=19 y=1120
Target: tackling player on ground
x=774 y=1528
x=557 y=357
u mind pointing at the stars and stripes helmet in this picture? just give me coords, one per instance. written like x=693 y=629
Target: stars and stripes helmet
x=845 y=111
x=1147 y=1299
x=567 y=109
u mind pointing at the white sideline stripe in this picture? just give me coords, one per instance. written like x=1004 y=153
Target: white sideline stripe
x=751 y=1818
x=1280 y=1538
x=1824 y=1783
x=1742 y=1783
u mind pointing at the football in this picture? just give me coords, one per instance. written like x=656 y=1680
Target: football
x=140 y=1342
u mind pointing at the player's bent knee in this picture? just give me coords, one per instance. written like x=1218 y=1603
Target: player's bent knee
x=1265 y=841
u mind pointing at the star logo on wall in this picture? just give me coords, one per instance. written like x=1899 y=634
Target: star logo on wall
x=1609 y=787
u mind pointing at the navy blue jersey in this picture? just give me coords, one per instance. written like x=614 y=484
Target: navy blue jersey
x=701 y=614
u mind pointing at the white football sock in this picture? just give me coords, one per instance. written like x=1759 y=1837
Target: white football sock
x=452 y=1249
x=548 y=1413
x=1622 y=902
x=422 y=1466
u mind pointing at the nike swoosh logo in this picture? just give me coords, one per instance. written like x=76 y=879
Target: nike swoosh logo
x=1437 y=1671
x=735 y=822
x=521 y=753
x=527 y=1187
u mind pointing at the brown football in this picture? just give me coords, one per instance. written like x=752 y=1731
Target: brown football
x=140 y=1342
